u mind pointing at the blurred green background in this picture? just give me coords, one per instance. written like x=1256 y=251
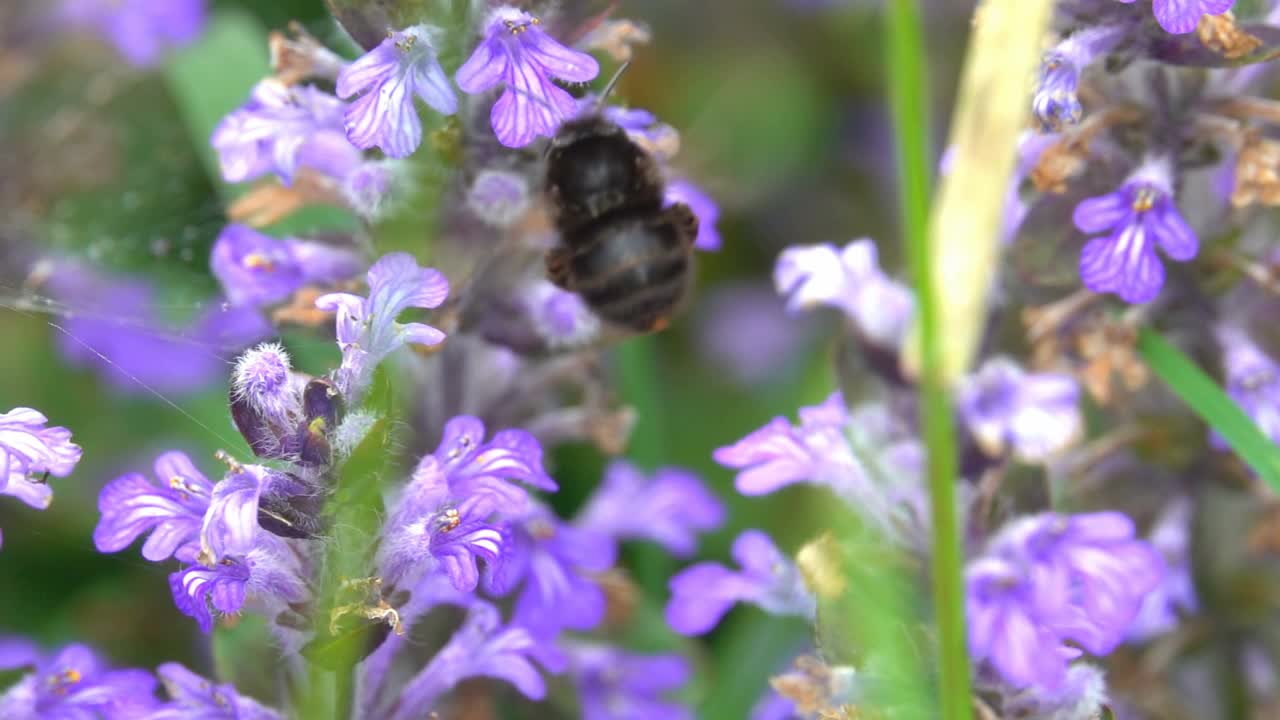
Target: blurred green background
x=783 y=121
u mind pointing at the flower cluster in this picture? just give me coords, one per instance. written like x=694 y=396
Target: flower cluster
x=142 y=31
x=1048 y=579
x=851 y=280
x=30 y=452
x=75 y=683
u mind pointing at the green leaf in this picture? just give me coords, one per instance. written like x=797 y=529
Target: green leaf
x=1203 y=395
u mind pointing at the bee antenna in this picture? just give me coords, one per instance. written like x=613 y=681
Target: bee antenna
x=613 y=82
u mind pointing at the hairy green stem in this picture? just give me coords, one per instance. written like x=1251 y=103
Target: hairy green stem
x=909 y=98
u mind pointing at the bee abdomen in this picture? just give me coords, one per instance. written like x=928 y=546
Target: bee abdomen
x=641 y=306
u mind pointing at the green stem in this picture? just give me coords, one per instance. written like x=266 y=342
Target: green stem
x=909 y=98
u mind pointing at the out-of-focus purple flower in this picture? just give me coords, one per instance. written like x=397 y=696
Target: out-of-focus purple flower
x=1252 y=380
x=256 y=269
x=192 y=697
x=1047 y=579
x=28 y=450
x=135 y=349
x=1182 y=16
x=448 y=516
x=615 y=685
x=1031 y=145
x=744 y=329
x=387 y=78
x=780 y=454
x=703 y=593
x=703 y=207
x=482 y=647
x=1055 y=103
x=367 y=328
x=1032 y=415
x=172 y=510
x=141 y=30
x=282 y=128
x=642 y=126
x=560 y=318
x=1137 y=217
x=517 y=52
x=1176 y=594
x=555 y=561
x=867 y=457
x=74 y=684
x=1081 y=695
x=848 y=279
x=499 y=197
x=775 y=707
x=669 y=508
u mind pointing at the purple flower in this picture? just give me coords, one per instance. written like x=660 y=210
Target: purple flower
x=1009 y=410
x=669 y=508
x=1182 y=16
x=1252 y=380
x=517 y=52
x=1176 y=593
x=703 y=593
x=560 y=318
x=867 y=457
x=236 y=559
x=282 y=128
x=1138 y=216
x=28 y=450
x=268 y=570
x=387 y=78
x=1055 y=103
x=848 y=279
x=482 y=647
x=141 y=30
x=74 y=684
x=703 y=207
x=743 y=328
x=1081 y=695
x=264 y=381
x=448 y=515
x=1047 y=579
x=780 y=454
x=556 y=561
x=642 y=126
x=172 y=510
x=256 y=269
x=773 y=706
x=367 y=328
x=499 y=197
x=133 y=347
x=192 y=697
x=615 y=685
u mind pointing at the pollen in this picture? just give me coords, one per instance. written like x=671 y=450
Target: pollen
x=1144 y=200
x=450 y=521
x=258 y=261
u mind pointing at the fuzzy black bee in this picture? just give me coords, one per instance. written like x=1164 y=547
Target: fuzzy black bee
x=626 y=255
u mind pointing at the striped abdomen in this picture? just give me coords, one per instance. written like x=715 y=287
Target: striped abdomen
x=632 y=268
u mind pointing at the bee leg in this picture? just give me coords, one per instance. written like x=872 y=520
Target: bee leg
x=683 y=218
x=558 y=259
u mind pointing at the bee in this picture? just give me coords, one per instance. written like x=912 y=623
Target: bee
x=626 y=255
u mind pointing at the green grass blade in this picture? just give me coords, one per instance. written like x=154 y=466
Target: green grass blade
x=1203 y=395
x=908 y=91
